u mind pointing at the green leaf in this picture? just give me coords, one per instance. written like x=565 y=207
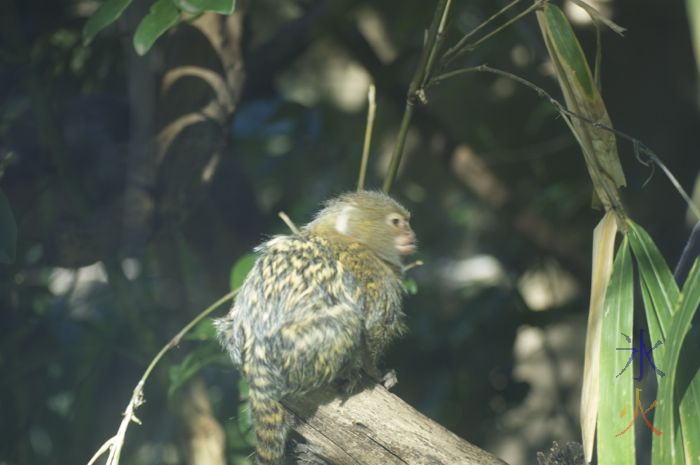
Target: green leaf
x=162 y=16
x=8 y=231
x=616 y=392
x=241 y=269
x=224 y=7
x=667 y=448
x=107 y=13
x=583 y=98
x=567 y=47
x=690 y=420
x=659 y=289
x=411 y=286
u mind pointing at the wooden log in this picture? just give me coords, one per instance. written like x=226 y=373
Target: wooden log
x=375 y=427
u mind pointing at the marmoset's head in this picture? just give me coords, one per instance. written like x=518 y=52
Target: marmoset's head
x=371 y=218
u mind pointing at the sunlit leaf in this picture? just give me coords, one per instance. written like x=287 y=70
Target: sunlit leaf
x=616 y=392
x=603 y=248
x=8 y=231
x=690 y=420
x=162 y=16
x=224 y=7
x=659 y=289
x=667 y=448
x=241 y=269
x=108 y=12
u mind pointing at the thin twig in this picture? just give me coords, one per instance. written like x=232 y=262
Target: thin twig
x=413 y=265
x=456 y=50
x=464 y=47
x=639 y=147
x=523 y=13
x=290 y=224
x=413 y=91
x=116 y=442
x=104 y=448
x=398 y=148
x=440 y=38
x=372 y=107
x=655 y=158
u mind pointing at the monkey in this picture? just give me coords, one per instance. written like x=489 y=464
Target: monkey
x=318 y=307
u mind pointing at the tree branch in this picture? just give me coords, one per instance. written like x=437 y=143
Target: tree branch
x=375 y=426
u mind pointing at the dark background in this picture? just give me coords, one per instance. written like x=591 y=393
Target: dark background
x=122 y=238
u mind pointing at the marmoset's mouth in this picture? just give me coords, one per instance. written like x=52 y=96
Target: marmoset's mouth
x=406 y=248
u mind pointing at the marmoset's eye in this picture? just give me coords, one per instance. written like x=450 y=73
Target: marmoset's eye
x=394 y=220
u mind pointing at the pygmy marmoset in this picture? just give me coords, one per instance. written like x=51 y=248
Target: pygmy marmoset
x=318 y=307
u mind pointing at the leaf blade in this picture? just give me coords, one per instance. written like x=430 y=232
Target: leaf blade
x=107 y=13
x=659 y=288
x=222 y=7
x=162 y=16
x=670 y=444
x=690 y=421
x=603 y=248
x=583 y=98
x=616 y=392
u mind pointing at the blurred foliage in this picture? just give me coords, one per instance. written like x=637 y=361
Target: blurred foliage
x=496 y=186
x=164 y=15
x=8 y=231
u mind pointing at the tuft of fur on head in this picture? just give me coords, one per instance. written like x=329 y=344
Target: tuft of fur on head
x=362 y=216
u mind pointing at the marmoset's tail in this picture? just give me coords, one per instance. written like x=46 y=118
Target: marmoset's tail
x=271 y=427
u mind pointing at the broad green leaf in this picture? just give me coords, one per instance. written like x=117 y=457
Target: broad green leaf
x=162 y=16
x=582 y=98
x=690 y=420
x=616 y=392
x=224 y=7
x=567 y=49
x=603 y=249
x=241 y=269
x=8 y=231
x=659 y=289
x=668 y=448
x=107 y=13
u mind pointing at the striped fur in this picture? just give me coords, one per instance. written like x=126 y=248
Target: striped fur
x=316 y=307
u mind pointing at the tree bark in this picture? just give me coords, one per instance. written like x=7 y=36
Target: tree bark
x=375 y=427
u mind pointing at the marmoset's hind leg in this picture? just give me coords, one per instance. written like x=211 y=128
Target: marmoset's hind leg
x=313 y=350
x=304 y=353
